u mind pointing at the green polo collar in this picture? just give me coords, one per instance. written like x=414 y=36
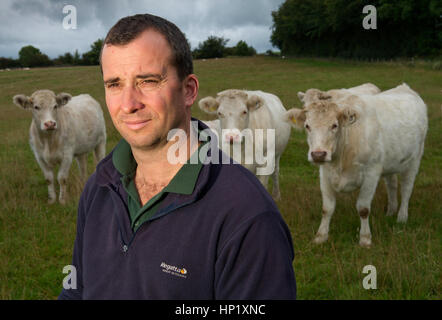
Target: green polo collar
x=183 y=182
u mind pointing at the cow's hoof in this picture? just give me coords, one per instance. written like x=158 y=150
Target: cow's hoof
x=320 y=238
x=62 y=201
x=401 y=219
x=365 y=242
x=51 y=200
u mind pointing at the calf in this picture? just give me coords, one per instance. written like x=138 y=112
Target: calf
x=240 y=114
x=63 y=127
x=360 y=139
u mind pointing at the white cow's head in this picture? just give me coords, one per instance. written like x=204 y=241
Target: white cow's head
x=233 y=109
x=44 y=105
x=312 y=95
x=323 y=122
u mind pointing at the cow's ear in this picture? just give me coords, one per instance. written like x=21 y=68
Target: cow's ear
x=301 y=96
x=22 y=101
x=296 y=117
x=209 y=105
x=254 y=102
x=348 y=116
x=63 y=98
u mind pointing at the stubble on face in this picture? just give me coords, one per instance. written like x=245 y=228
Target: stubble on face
x=144 y=59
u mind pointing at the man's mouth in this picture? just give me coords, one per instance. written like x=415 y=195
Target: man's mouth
x=136 y=125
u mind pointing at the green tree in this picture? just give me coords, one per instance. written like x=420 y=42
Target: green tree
x=92 y=57
x=66 y=59
x=213 y=47
x=334 y=28
x=76 y=59
x=9 y=63
x=242 y=49
x=30 y=56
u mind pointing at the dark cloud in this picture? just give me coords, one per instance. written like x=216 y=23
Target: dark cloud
x=39 y=22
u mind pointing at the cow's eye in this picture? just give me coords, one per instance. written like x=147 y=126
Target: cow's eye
x=36 y=107
x=307 y=127
x=55 y=106
x=244 y=112
x=220 y=114
x=334 y=126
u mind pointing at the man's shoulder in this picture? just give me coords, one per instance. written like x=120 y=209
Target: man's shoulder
x=105 y=174
x=235 y=189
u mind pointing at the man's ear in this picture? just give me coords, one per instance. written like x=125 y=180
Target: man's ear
x=348 y=116
x=62 y=98
x=296 y=117
x=22 y=101
x=209 y=105
x=191 y=86
x=254 y=102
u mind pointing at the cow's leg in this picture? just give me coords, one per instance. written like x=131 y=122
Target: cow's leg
x=99 y=152
x=328 y=207
x=48 y=173
x=275 y=176
x=391 y=184
x=82 y=166
x=264 y=180
x=407 y=183
x=62 y=177
x=363 y=204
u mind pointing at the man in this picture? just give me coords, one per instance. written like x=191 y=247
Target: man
x=151 y=228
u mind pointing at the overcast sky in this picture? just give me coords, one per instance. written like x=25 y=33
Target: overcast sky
x=40 y=22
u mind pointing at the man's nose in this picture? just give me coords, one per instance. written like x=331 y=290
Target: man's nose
x=130 y=101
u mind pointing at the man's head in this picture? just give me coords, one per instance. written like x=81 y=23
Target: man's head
x=129 y=28
x=149 y=90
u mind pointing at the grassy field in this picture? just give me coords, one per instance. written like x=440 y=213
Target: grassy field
x=36 y=239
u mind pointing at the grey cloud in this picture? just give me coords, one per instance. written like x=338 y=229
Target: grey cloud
x=39 y=22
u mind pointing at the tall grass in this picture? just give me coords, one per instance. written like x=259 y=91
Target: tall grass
x=36 y=239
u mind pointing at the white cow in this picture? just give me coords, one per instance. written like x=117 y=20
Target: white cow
x=241 y=114
x=360 y=139
x=312 y=95
x=63 y=127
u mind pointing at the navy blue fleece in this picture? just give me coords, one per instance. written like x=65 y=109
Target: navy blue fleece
x=226 y=240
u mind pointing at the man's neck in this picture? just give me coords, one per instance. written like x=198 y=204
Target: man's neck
x=154 y=165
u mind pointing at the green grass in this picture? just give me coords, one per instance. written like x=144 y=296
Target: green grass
x=36 y=239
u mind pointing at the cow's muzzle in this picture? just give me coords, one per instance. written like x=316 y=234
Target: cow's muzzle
x=50 y=125
x=318 y=156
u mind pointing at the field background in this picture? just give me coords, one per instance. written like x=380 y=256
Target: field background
x=36 y=239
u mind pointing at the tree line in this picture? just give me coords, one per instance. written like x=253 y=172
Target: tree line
x=30 y=56
x=333 y=28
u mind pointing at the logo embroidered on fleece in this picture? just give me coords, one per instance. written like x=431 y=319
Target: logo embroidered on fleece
x=179 y=272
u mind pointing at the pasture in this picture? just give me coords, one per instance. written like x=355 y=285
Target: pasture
x=36 y=239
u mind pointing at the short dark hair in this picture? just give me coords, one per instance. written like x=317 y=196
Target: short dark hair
x=129 y=28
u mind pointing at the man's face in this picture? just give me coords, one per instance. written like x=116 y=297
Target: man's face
x=144 y=94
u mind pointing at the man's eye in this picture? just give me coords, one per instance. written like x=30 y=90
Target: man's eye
x=112 y=85
x=149 y=83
